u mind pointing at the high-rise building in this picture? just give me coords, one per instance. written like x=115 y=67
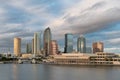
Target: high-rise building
x=88 y=50
x=37 y=43
x=98 y=47
x=42 y=41
x=54 y=47
x=81 y=44
x=32 y=45
x=17 y=46
x=47 y=40
x=28 y=48
x=68 y=43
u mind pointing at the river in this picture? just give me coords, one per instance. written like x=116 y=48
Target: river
x=57 y=72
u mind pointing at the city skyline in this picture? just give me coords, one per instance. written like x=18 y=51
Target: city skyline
x=97 y=20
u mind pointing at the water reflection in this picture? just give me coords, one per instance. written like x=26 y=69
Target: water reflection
x=57 y=72
x=35 y=71
x=15 y=72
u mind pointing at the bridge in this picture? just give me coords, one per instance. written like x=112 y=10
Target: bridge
x=23 y=60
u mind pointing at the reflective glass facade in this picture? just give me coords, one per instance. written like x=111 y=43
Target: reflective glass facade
x=68 y=43
x=47 y=40
x=81 y=45
x=29 y=48
x=37 y=41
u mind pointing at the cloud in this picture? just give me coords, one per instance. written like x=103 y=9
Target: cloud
x=87 y=16
x=114 y=41
x=21 y=19
x=24 y=17
x=112 y=50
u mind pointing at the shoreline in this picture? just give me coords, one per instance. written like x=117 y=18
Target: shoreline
x=61 y=64
x=81 y=64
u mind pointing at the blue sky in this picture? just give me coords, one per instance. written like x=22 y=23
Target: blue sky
x=97 y=20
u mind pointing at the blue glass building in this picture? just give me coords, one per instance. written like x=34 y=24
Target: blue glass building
x=29 y=48
x=68 y=43
x=81 y=44
x=47 y=40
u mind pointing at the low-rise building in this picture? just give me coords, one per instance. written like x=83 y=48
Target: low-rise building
x=99 y=58
x=27 y=55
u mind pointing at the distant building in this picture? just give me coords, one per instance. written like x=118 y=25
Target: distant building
x=81 y=44
x=47 y=40
x=17 y=46
x=42 y=41
x=54 y=47
x=37 y=43
x=88 y=50
x=28 y=48
x=26 y=55
x=68 y=43
x=98 y=47
x=32 y=46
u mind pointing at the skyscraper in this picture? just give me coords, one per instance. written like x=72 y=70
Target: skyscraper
x=32 y=45
x=47 y=40
x=17 y=46
x=36 y=43
x=88 y=50
x=42 y=41
x=81 y=44
x=54 y=47
x=68 y=43
x=98 y=47
x=28 y=48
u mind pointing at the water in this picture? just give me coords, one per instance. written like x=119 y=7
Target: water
x=55 y=72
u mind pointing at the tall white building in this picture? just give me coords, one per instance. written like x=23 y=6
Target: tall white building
x=37 y=40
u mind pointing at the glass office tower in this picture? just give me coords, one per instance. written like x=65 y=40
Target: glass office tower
x=68 y=43
x=47 y=40
x=37 y=40
x=28 y=48
x=81 y=44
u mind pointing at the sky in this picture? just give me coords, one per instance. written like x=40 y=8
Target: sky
x=97 y=20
